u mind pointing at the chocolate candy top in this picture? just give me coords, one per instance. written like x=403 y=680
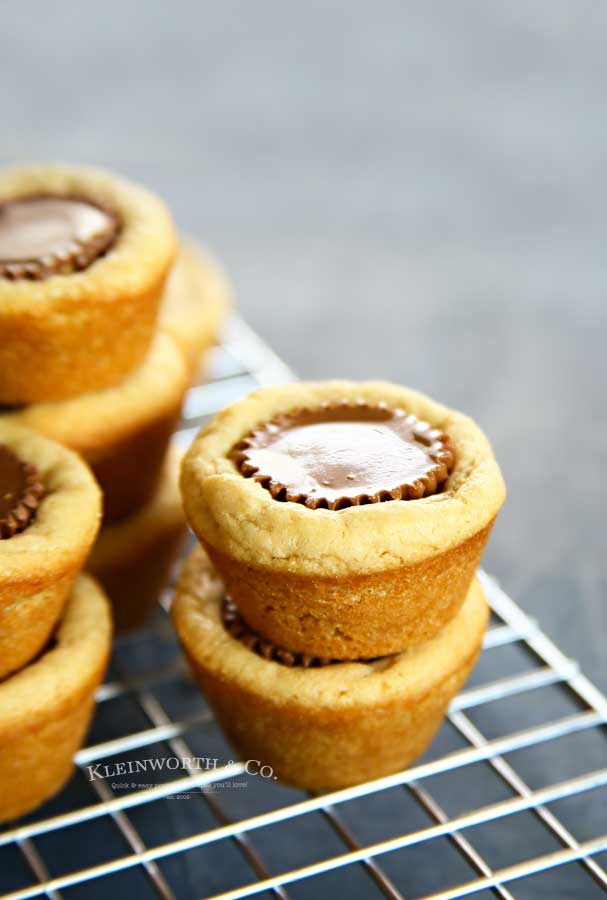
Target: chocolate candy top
x=52 y=235
x=21 y=490
x=346 y=454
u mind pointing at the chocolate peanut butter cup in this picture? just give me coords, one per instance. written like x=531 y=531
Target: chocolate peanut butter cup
x=84 y=256
x=21 y=489
x=346 y=454
x=45 y=236
x=50 y=511
x=329 y=726
x=346 y=518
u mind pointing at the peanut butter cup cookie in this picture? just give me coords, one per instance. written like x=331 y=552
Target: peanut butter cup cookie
x=50 y=511
x=346 y=519
x=133 y=558
x=319 y=723
x=123 y=431
x=45 y=708
x=196 y=299
x=83 y=260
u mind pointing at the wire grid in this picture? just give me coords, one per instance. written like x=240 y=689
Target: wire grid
x=52 y=844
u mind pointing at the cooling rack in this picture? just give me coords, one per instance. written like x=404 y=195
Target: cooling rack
x=508 y=802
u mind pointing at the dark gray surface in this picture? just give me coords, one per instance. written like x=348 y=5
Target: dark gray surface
x=406 y=191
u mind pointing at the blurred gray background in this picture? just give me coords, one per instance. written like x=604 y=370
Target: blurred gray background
x=411 y=191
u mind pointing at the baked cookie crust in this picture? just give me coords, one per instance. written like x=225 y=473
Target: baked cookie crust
x=38 y=565
x=59 y=335
x=132 y=559
x=122 y=432
x=329 y=727
x=352 y=583
x=197 y=298
x=49 y=703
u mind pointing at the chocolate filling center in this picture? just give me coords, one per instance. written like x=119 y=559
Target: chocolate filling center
x=49 y=235
x=21 y=489
x=346 y=454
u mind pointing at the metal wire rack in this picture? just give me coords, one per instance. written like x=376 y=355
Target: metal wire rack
x=506 y=803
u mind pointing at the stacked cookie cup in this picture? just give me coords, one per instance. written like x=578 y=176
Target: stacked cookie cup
x=331 y=612
x=55 y=624
x=105 y=319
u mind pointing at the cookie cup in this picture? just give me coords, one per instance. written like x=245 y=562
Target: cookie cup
x=81 y=332
x=197 y=297
x=355 y=583
x=328 y=727
x=38 y=565
x=133 y=558
x=122 y=432
x=45 y=709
